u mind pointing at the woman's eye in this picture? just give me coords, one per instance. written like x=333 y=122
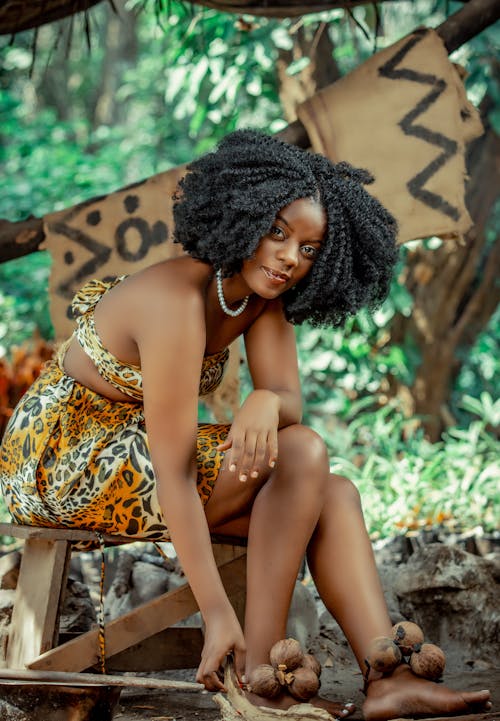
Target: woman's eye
x=310 y=251
x=277 y=231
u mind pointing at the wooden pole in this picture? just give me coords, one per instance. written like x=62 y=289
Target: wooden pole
x=93 y=679
x=24 y=237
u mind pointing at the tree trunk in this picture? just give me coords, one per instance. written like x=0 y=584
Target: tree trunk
x=312 y=43
x=120 y=43
x=455 y=290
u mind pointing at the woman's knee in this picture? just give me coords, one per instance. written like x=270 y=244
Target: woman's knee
x=342 y=489
x=302 y=449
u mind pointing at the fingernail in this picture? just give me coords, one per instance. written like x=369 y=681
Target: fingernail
x=232 y=467
x=243 y=478
x=254 y=474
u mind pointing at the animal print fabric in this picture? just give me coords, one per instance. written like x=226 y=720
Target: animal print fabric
x=72 y=458
x=126 y=377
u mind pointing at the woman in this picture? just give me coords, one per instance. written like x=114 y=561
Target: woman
x=274 y=236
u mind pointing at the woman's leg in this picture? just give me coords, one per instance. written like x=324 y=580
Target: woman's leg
x=341 y=561
x=284 y=513
x=300 y=505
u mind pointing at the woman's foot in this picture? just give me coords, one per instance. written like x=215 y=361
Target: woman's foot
x=404 y=695
x=284 y=701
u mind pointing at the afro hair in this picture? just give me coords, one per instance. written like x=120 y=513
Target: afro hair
x=229 y=199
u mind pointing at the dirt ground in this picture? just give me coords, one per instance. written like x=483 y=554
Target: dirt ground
x=339 y=684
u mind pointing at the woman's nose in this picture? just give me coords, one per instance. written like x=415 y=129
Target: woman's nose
x=288 y=253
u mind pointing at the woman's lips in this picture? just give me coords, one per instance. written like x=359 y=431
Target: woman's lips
x=275 y=277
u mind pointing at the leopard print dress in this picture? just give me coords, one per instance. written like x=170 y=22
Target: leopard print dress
x=71 y=457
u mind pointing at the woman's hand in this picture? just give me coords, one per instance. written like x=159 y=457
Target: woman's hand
x=223 y=635
x=253 y=438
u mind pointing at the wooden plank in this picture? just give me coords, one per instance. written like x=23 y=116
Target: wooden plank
x=91 y=679
x=133 y=627
x=178 y=647
x=225 y=552
x=235 y=578
x=77 y=534
x=33 y=628
x=66 y=534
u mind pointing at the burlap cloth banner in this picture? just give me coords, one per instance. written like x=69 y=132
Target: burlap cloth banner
x=118 y=234
x=104 y=237
x=405 y=117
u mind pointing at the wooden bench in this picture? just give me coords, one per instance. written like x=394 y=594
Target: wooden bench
x=140 y=640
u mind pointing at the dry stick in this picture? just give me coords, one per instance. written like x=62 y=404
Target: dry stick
x=93 y=679
x=24 y=237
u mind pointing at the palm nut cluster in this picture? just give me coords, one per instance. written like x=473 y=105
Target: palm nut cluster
x=290 y=669
x=406 y=645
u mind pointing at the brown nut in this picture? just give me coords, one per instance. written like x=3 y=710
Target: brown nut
x=262 y=681
x=383 y=654
x=286 y=654
x=310 y=661
x=305 y=684
x=408 y=636
x=429 y=662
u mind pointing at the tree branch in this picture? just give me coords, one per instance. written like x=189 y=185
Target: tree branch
x=16 y=16
x=468 y=22
x=22 y=238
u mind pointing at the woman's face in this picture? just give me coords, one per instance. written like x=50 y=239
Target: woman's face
x=287 y=252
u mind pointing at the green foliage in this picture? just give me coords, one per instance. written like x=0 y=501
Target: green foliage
x=72 y=129
x=340 y=364
x=24 y=300
x=407 y=482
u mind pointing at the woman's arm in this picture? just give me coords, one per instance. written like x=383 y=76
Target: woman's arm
x=170 y=335
x=275 y=401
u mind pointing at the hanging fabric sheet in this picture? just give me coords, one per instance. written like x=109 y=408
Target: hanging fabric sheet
x=404 y=116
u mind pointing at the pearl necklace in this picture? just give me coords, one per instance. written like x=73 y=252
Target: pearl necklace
x=222 y=300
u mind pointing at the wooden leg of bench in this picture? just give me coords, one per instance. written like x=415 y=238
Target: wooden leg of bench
x=139 y=624
x=40 y=587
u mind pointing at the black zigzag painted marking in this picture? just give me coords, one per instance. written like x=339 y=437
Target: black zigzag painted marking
x=100 y=255
x=416 y=185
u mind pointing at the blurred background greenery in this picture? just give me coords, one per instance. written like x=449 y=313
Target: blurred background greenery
x=162 y=83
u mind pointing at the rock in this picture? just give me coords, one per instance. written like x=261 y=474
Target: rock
x=303 y=618
x=6 y=605
x=9 y=569
x=389 y=575
x=453 y=596
x=78 y=613
x=139 y=577
x=331 y=647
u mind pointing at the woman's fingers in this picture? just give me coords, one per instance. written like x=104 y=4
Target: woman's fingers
x=211 y=681
x=241 y=459
x=252 y=453
x=272 y=444
x=210 y=673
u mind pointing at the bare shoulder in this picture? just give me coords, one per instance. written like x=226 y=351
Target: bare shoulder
x=153 y=302
x=151 y=290
x=169 y=277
